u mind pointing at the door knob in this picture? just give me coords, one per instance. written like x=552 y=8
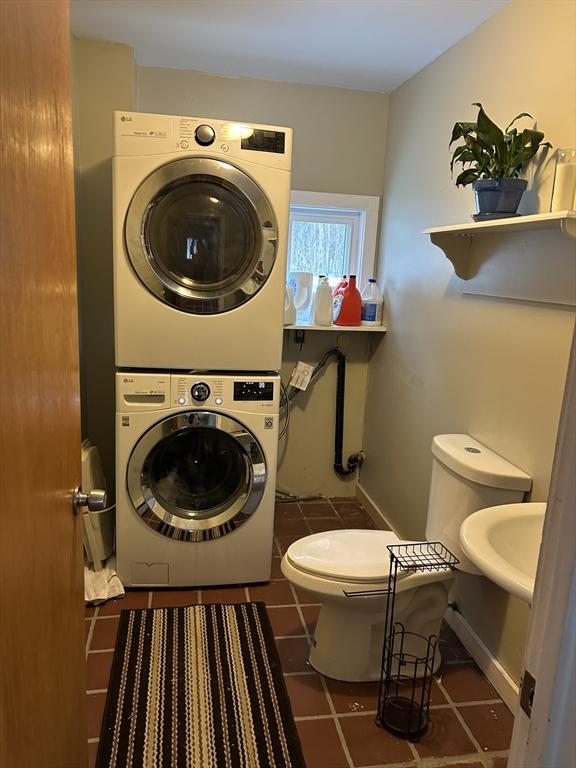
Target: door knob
x=95 y=500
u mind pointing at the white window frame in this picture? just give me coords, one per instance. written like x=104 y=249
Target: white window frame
x=309 y=205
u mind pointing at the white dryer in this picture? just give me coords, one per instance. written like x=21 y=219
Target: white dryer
x=196 y=478
x=200 y=233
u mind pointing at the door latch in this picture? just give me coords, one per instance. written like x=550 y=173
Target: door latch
x=527 y=692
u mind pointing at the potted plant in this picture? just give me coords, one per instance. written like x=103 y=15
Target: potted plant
x=492 y=160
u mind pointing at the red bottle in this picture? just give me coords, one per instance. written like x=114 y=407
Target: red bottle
x=351 y=307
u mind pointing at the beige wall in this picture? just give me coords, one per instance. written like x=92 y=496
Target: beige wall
x=490 y=367
x=103 y=81
x=339 y=144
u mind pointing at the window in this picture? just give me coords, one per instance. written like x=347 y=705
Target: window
x=333 y=235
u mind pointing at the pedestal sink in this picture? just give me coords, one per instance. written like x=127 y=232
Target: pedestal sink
x=503 y=542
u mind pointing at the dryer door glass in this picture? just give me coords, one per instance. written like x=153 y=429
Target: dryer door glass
x=196 y=476
x=201 y=235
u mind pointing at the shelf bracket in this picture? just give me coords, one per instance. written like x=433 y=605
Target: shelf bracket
x=456 y=248
x=568 y=226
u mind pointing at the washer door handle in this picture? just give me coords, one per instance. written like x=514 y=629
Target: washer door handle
x=95 y=500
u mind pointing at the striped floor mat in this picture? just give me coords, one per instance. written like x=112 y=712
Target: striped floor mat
x=198 y=687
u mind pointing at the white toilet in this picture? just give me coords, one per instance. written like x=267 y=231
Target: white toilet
x=332 y=566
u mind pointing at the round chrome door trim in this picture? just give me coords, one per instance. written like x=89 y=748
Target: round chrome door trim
x=201 y=526
x=186 y=295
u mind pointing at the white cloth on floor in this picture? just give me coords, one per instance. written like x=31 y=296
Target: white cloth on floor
x=103 y=584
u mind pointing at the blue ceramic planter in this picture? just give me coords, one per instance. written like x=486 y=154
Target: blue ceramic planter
x=498 y=198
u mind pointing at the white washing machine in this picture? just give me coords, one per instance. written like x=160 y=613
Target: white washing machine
x=200 y=234
x=196 y=478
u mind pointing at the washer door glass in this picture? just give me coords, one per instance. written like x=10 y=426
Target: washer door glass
x=201 y=235
x=196 y=476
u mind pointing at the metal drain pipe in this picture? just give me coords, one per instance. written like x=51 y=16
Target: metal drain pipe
x=355 y=459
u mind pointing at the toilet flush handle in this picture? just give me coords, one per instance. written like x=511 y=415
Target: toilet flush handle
x=95 y=500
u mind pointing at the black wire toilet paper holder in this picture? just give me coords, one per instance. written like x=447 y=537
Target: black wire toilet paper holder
x=408 y=658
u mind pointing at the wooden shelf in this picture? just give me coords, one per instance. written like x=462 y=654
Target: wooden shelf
x=338 y=328
x=455 y=240
x=563 y=220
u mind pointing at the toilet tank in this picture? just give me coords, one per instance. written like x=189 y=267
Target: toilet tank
x=467 y=476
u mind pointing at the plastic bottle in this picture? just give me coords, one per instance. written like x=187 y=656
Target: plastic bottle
x=289 y=308
x=351 y=308
x=372 y=304
x=323 y=303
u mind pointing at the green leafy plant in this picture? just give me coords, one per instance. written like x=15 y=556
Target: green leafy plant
x=488 y=152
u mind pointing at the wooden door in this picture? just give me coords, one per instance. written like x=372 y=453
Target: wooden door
x=42 y=699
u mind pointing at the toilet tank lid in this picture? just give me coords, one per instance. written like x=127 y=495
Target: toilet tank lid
x=355 y=555
x=474 y=461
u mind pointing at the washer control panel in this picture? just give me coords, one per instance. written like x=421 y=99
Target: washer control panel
x=236 y=392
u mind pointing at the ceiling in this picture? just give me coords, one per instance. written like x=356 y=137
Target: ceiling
x=372 y=45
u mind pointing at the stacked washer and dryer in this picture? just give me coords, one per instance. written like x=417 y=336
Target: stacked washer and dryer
x=200 y=232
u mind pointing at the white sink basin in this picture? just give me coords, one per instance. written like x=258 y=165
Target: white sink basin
x=503 y=542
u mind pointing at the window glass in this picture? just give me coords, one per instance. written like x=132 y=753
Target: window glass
x=322 y=248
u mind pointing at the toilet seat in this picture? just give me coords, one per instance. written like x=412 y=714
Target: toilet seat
x=351 y=555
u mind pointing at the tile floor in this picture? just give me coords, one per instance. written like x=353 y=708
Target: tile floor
x=470 y=726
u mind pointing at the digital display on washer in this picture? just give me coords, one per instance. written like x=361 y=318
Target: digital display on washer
x=253 y=390
x=265 y=141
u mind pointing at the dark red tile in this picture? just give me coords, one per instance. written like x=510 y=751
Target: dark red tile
x=276 y=570
x=294 y=652
x=353 y=697
x=307 y=696
x=298 y=528
x=287 y=511
x=87 y=625
x=445 y=736
x=321 y=526
x=368 y=744
x=285 y=621
x=89 y=611
x=347 y=507
x=305 y=598
x=175 y=598
x=310 y=613
x=273 y=593
x=321 y=744
x=357 y=520
x=491 y=725
x=223 y=595
x=463 y=765
x=95 y=710
x=284 y=541
x=98 y=666
x=465 y=682
x=132 y=599
x=318 y=509
x=104 y=635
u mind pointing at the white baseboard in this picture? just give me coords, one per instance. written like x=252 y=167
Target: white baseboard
x=484 y=658
x=374 y=511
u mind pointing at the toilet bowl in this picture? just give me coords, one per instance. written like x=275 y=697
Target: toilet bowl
x=347 y=571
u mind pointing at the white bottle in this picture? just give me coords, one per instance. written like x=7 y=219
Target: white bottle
x=372 y=304
x=323 y=303
x=289 y=308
